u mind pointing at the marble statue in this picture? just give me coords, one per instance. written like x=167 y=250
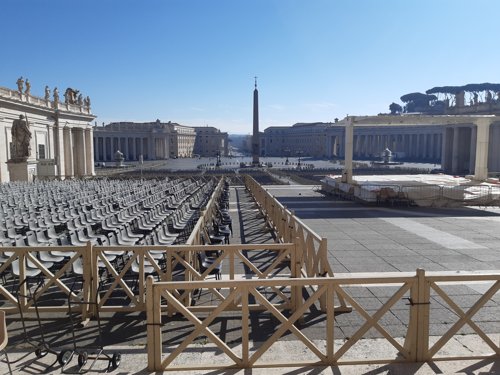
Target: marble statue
x=56 y=95
x=28 y=87
x=71 y=96
x=119 y=158
x=47 y=93
x=21 y=139
x=67 y=96
x=87 y=102
x=80 y=99
x=20 y=85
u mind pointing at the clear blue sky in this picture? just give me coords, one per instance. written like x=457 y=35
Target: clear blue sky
x=193 y=61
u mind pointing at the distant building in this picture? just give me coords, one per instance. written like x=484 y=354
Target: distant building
x=326 y=140
x=156 y=141
x=210 y=141
x=299 y=139
x=61 y=133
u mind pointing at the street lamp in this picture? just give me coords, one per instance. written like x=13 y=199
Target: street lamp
x=287 y=153
x=299 y=153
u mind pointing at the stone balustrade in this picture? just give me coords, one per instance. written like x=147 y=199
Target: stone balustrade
x=42 y=102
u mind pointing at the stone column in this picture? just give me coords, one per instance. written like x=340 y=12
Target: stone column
x=134 y=155
x=455 y=150
x=125 y=152
x=59 y=155
x=80 y=150
x=482 y=142
x=349 y=135
x=68 y=153
x=49 y=153
x=89 y=147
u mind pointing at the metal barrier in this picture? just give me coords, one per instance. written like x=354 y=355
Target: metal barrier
x=324 y=349
x=423 y=194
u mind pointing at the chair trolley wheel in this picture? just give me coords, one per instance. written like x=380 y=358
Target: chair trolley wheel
x=82 y=359
x=40 y=353
x=64 y=357
x=115 y=360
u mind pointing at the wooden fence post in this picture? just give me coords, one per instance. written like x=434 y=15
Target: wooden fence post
x=153 y=316
x=90 y=281
x=296 y=273
x=422 y=307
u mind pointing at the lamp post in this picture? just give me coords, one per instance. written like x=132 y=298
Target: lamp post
x=299 y=153
x=287 y=153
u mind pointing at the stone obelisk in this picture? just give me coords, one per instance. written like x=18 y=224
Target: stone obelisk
x=255 y=137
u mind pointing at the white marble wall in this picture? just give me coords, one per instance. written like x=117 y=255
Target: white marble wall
x=54 y=129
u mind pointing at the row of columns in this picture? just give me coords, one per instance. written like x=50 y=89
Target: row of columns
x=73 y=151
x=464 y=148
x=422 y=146
x=131 y=147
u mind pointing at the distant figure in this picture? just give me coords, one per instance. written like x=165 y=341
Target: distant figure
x=47 y=93
x=28 y=87
x=20 y=84
x=80 y=99
x=476 y=98
x=21 y=139
x=56 y=95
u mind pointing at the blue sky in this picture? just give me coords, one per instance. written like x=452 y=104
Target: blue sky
x=193 y=61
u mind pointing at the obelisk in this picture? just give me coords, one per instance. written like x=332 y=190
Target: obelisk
x=255 y=137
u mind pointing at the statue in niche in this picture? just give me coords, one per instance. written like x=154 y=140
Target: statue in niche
x=21 y=139
x=20 y=84
x=28 y=87
x=47 y=93
x=56 y=95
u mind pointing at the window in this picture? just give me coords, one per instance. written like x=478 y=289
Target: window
x=41 y=151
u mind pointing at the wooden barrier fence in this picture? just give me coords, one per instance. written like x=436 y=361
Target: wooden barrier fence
x=323 y=349
x=113 y=278
x=289 y=228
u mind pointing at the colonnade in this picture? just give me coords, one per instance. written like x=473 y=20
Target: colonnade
x=131 y=147
x=464 y=145
x=424 y=144
x=418 y=146
x=73 y=152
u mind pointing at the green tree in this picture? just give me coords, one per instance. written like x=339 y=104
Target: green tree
x=395 y=108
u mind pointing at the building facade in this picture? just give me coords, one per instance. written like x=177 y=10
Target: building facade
x=451 y=145
x=61 y=133
x=155 y=141
x=210 y=141
x=298 y=139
